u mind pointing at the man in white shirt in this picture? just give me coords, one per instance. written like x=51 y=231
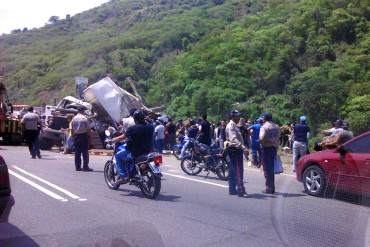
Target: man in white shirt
x=159 y=136
x=31 y=123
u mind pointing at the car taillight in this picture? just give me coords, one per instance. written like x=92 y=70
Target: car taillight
x=158 y=160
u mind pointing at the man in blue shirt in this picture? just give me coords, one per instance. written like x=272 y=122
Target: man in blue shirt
x=300 y=145
x=256 y=147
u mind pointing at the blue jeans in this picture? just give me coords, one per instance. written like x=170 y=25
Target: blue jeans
x=122 y=156
x=183 y=150
x=159 y=144
x=268 y=157
x=299 y=149
x=236 y=172
x=256 y=153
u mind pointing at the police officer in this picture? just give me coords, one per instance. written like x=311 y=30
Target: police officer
x=31 y=129
x=80 y=132
x=236 y=148
x=270 y=141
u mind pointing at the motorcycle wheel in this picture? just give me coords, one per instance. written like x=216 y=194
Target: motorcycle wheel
x=190 y=166
x=222 y=170
x=151 y=184
x=176 y=151
x=111 y=175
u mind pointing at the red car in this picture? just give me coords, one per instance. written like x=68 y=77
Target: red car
x=4 y=179
x=345 y=169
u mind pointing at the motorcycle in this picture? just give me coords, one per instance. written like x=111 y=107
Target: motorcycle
x=210 y=159
x=143 y=173
x=176 y=150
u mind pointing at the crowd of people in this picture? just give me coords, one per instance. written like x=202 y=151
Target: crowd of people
x=146 y=131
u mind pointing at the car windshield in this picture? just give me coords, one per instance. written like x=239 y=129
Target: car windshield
x=160 y=123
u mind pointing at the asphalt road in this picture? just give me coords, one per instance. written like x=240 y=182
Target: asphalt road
x=53 y=205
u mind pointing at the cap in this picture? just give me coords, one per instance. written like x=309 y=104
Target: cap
x=235 y=113
x=267 y=116
x=302 y=118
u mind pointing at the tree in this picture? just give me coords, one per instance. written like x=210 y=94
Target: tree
x=53 y=19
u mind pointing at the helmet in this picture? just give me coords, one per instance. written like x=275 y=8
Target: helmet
x=302 y=119
x=139 y=116
x=235 y=113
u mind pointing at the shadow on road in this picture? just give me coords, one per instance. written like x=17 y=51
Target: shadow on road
x=260 y=196
x=287 y=195
x=11 y=235
x=161 y=197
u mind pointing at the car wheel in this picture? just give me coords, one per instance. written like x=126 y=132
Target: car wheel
x=314 y=181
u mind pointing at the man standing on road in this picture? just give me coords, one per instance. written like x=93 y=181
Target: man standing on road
x=221 y=134
x=235 y=144
x=270 y=140
x=159 y=137
x=81 y=131
x=256 y=146
x=32 y=125
x=300 y=144
x=205 y=131
x=170 y=133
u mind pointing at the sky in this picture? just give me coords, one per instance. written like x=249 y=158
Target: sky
x=17 y=14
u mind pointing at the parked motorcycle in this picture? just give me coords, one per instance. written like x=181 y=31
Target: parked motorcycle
x=143 y=173
x=205 y=158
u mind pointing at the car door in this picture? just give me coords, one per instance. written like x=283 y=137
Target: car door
x=357 y=159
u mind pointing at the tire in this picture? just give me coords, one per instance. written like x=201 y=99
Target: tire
x=176 y=151
x=222 y=171
x=152 y=185
x=190 y=166
x=111 y=175
x=314 y=181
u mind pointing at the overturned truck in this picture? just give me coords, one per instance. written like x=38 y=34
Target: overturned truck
x=104 y=104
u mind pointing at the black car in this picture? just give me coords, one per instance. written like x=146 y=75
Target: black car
x=4 y=178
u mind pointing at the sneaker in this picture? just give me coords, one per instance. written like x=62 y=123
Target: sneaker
x=88 y=169
x=33 y=157
x=232 y=193
x=78 y=169
x=39 y=156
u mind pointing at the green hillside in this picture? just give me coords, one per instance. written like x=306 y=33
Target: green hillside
x=289 y=57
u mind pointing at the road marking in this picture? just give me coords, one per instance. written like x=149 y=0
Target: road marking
x=172 y=170
x=195 y=180
x=39 y=187
x=70 y=194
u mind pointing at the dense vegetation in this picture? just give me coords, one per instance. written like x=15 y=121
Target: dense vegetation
x=289 y=57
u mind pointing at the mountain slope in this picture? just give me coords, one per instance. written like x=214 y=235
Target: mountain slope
x=289 y=57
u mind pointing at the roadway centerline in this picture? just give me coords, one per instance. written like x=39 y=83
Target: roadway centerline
x=195 y=180
x=64 y=191
x=39 y=187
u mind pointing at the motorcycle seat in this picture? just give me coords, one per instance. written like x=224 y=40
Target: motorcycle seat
x=141 y=158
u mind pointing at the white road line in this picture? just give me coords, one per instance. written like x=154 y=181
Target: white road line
x=172 y=170
x=40 y=188
x=195 y=180
x=70 y=194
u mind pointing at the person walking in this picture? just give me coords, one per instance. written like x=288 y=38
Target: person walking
x=81 y=131
x=256 y=146
x=159 y=136
x=270 y=140
x=300 y=144
x=235 y=145
x=205 y=131
x=31 y=123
